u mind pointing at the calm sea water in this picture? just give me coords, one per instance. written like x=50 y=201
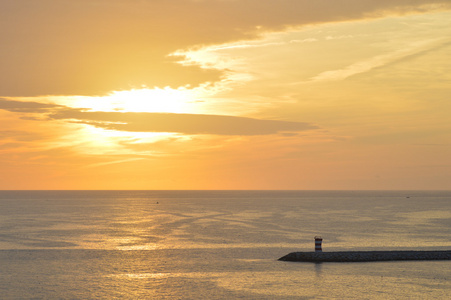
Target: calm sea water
x=218 y=244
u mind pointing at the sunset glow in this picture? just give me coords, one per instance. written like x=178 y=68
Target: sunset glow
x=225 y=94
x=150 y=100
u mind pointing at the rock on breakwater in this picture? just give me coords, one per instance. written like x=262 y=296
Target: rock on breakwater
x=366 y=256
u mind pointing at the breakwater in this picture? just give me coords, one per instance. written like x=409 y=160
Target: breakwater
x=366 y=256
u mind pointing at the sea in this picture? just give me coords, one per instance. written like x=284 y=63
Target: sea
x=219 y=244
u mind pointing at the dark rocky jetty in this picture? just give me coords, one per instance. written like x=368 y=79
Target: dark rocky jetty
x=366 y=256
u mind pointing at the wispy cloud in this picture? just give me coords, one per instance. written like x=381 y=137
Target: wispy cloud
x=112 y=162
x=379 y=61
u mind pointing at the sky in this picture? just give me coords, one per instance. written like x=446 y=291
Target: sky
x=225 y=94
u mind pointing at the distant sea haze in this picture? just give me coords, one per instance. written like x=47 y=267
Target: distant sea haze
x=219 y=244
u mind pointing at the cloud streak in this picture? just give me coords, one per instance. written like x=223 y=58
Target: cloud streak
x=160 y=122
x=182 y=123
x=25 y=106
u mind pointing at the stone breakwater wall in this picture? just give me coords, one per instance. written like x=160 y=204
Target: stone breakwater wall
x=366 y=256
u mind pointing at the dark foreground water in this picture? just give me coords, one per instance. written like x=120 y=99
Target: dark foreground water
x=218 y=244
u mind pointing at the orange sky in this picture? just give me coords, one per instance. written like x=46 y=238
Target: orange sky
x=225 y=94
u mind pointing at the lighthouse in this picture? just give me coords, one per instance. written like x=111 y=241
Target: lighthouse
x=318 y=241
